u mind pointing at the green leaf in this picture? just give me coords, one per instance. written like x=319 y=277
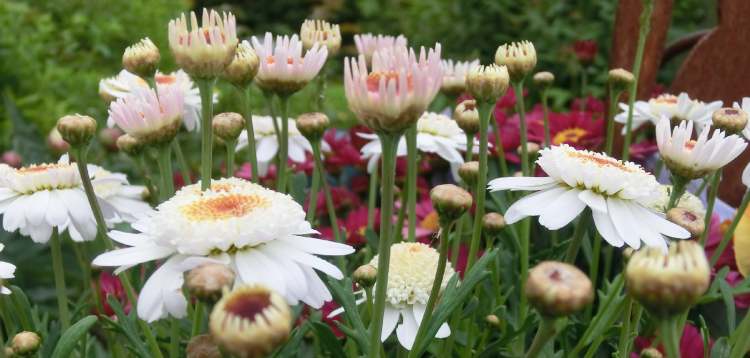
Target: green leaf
x=721 y=348
x=328 y=341
x=289 y=349
x=128 y=327
x=72 y=335
x=372 y=238
x=344 y=296
x=726 y=295
x=23 y=308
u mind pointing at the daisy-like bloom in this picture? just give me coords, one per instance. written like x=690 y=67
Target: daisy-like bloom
x=454 y=75
x=118 y=196
x=615 y=191
x=397 y=90
x=675 y=108
x=368 y=43
x=267 y=142
x=688 y=201
x=283 y=68
x=6 y=271
x=410 y=276
x=321 y=32
x=121 y=85
x=692 y=159
x=150 y=116
x=260 y=234
x=203 y=50
x=436 y=133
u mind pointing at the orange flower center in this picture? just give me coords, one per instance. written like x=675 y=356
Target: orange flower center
x=290 y=60
x=430 y=222
x=689 y=145
x=165 y=79
x=569 y=135
x=39 y=168
x=224 y=207
x=373 y=80
x=600 y=161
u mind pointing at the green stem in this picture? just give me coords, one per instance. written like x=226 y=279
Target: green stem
x=329 y=201
x=575 y=242
x=181 y=161
x=544 y=335
x=545 y=114
x=207 y=106
x=281 y=180
x=144 y=327
x=594 y=268
x=678 y=189
x=738 y=340
x=469 y=148
x=174 y=342
x=730 y=232
x=710 y=202
x=613 y=97
x=231 y=146
x=251 y=152
x=411 y=181
x=197 y=319
x=372 y=198
x=59 y=272
x=436 y=283
x=645 y=27
x=499 y=148
x=153 y=191
x=312 y=206
x=480 y=190
x=669 y=337
x=518 y=88
x=164 y=158
x=80 y=157
x=388 y=143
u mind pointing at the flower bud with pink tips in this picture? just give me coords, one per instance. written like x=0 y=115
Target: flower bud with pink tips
x=204 y=50
x=284 y=69
x=151 y=116
x=368 y=43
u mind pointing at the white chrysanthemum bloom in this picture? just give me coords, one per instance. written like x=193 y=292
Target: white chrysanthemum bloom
x=454 y=75
x=267 y=142
x=203 y=50
x=693 y=159
x=283 y=68
x=397 y=90
x=436 y=133
x=148 y=115
x=617 y=193
x=321 y=32
x=6 y=271
x=119 y=86
x=688 y=201
x=368 y=43
x=261 y=234
x=676 y=108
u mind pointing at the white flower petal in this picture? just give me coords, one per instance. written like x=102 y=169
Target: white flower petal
x=390 y=320
x=407 y=330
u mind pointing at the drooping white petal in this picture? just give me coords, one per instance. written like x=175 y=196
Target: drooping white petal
x=521 y=183
x=533 y=204
x=132 y=255
x=562 y=210
x=407 y=330
x=606 y=228
x=390 y=320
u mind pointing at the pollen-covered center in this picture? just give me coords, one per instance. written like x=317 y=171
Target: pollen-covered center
x=599 y=160
x=248 y=304
x=224 y=207
x=40 y=168
x=373 y=80
x=569 y=135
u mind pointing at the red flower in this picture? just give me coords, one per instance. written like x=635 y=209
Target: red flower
x=510 y=131
x=269 y=180
x=357 y=141
x=585 y=50
x=577 y=129
x=327 y=308
x=640 y=152
x=355 y=225
x=427 y=222
x=589 y=104
x=343 y=200
x=110 y=286
x=507 y=101
x=343 y=153
x=691 y=344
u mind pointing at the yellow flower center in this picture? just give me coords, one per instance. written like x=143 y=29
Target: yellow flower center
x=569 y=135
x=600 y=160
x=430 y=222
x=224 y=207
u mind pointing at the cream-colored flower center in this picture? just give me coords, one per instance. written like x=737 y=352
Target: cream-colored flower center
x=373 y=80
x=569 y=135
x=224 y=207
x=601 y=161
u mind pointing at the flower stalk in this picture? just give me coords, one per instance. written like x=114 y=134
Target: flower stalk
x=164 y=159
x=730 y=231
x=329 y=199
x=710 y=202
x=231 y=146
x=545 y=334
x=499 y=148
x=411 y=181
x=614 y=95
x=679 y=185
x=251 y=152
x=480 y=190
x=645 y=28
x=182 y=162
x=59 y=273
x=372 y=198
x=669 y=336
x=518 y=88
x=281 y=180
x=205 y=86
x=545 y=116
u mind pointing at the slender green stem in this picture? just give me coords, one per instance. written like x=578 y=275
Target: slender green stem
x=231 y=146
x=679 y=185
x=710 y=202
x=153 y=191
x=520 y=107
x=252 y=156
x=613 y=97
x=604 y=313
x=329 y=201
x=469 y=148
x=669 y=337
x=544 y=335
x=281 y=180
x=80 y=157
x=368 y=302
x=624 y=342
x=578 y=234
x=480 y=190
x=411 y=181
x=501 y=162
x=164 y=159
x=645 y=27
x=545 y=114
x=59 y=272
x=312 y=206
x=174 y=342
x=702 y=187
x=207 y=107
x=596 y=254
x=181 y=161
x=388 y=143
x=197 y=319
x=322 y=86
x=436 y=282
x=730 y=231
x=372 y=198
x=144 y=327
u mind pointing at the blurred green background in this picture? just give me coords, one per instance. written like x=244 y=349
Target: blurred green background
x=54 y=52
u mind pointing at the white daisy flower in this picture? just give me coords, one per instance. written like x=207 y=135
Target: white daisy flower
x=677 y=108
x=410 y=276
x=260 y=234
x=121 y=85
x=694 y=159
x=267 y=143
x=113 y=189
x=617 y=193
x=436 y=133
x=6 y=271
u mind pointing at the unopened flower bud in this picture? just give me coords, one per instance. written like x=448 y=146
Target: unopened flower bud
x=651 y=352
x=730 y=120
x=450 y=202
x=492 y=320
x=531 y=148
x=313 y=125
x=518 y=57
x=11 y=158
x=365 y=275
x=620 y=79
x=493 y=223
x=76 y=129
x=558 y=289
x=467 y=116
x=487 y=83
x=469 y=172
x=108 y=138
x=228 y=125
x=141 y=58
x=129 y=144
x=56 y=143
x=668 y=284
x=202 y=346
x=243 y=68
x=322 y=33
x=8 y=352
x=26 y=343
x=689 y=220
x=250 y=321
x=207 y=281
x=544 y=79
